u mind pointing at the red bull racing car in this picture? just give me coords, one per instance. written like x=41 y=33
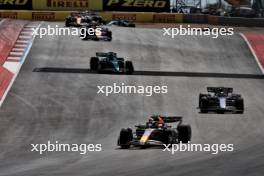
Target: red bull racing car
x=156 y=132
x=99 y=33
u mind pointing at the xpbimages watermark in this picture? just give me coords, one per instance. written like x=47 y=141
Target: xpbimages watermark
x=129 y=89
x=60 y=147
x=62 y=31
x=189 y=147
x=191 y=31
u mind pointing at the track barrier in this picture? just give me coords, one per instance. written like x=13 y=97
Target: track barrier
x=144 y=17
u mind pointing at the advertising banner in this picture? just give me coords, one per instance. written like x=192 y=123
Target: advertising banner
x=137 y=5
x=16 y=4
x=47 y=16
x=60 y=5
x=164 y=18
x=124 y=16
x=12 y=15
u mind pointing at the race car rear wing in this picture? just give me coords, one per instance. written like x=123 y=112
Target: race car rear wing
x=220 y=89
x=168 y=119
x=106 y=54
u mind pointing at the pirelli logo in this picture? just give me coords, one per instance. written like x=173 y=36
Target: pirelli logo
x=137 y=5
x=43 y=15
x=129 y=17
x=12 y=15
x=164 y=18
x=68 y=3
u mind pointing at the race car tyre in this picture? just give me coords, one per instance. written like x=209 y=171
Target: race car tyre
x=129 y=67
x=200 y=100
x=202 y=104
x=185 y=133
x=67 y=23
x=240 y=106
x=94 y=63
x=125 y=137
x=109 y=36
x=131 y=25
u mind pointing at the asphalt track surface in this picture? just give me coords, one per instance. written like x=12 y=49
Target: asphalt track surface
x=65 y=107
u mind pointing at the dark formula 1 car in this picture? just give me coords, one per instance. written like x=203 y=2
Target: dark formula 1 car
x=122 y=23
x=78 y=19
x=156 y=132
x=220 y=100
x=109 y=62
x=102 y=34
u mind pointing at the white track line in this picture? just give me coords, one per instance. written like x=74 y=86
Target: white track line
x=13 y=58
x=20 y=46
x=22 y=41
x=16 y=53
x=253 y=52
x=25 y=37
x=18 y=49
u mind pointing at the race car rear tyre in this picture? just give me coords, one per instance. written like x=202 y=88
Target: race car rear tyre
x=94 y=63
x=131 y=25
x=129 y=67
x=185 y=133
x=125 y=137
x=202 y=104
x=67 y=23
x=109 y=36
x=240 y=106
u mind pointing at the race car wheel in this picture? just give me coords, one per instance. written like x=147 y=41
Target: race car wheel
x=202 y=104
x=125 y=137
x=129 y=67
x=109 y=36
x=67 y=23
x=94 y=63
x=185 y=133
x=131 y=25
x=240 y=106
